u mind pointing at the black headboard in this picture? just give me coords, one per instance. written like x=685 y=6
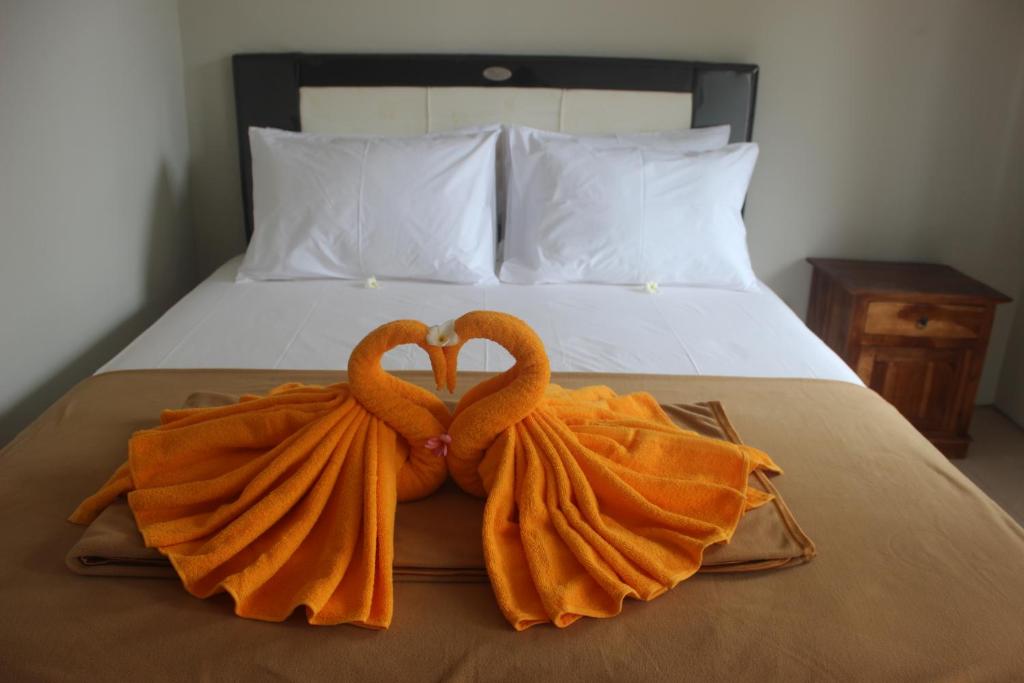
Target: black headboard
x=267 y=85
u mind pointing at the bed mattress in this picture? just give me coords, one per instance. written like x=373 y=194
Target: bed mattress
x=314 y=324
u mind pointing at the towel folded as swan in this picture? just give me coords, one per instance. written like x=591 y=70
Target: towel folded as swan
x=591 y=497
x=289 y=499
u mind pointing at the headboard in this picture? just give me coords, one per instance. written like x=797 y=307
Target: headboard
x=420 y=93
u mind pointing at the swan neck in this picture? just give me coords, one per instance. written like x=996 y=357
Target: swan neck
x=385 y=395
x=505 y=401
x=516 y=337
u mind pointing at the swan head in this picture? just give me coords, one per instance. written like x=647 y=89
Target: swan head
x=440 y=339
x=438 y=364
x=451 y=358
x=443 y=340
x=365 y=360
x=514 y=334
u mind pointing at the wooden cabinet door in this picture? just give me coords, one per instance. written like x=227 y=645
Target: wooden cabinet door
x=924 y=384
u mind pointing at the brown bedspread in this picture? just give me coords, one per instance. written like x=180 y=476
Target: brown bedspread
x=919 y=576
x=438 y=538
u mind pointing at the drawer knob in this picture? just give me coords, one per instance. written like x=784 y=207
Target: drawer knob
x=922 y=322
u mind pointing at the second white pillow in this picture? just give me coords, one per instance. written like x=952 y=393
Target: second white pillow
x=584 y=212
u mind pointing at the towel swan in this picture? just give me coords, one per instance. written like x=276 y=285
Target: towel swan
x=591 y=497
x=289 y=499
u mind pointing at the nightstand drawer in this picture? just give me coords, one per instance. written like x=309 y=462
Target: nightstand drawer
x=944 y=321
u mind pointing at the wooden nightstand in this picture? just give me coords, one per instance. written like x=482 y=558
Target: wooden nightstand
x=914 y=332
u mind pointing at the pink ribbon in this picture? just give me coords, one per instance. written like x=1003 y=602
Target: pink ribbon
x=438 y=445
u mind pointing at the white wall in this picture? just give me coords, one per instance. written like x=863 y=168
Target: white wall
x=884 y=124
x=889 y=129
x=1011 y=386
x=93 y=153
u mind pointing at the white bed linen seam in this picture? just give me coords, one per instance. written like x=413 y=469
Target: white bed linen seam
x=643 y=217
x=359 y=215
x=558 y=335
x=301 y=327
x=426 y=105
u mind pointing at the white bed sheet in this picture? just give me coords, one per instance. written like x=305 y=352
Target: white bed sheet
x=586 y=328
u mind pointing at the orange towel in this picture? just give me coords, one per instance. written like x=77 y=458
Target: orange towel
x=591 y=497
x=289 y=499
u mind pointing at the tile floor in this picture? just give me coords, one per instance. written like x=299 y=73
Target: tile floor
x=995 y=461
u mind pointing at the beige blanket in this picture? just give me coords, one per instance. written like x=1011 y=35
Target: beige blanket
x=438 y=538
x=919 y=576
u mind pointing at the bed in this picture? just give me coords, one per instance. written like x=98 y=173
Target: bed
x=918 y=574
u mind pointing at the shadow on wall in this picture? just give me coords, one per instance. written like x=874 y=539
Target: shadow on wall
x=214 y=180
x=794 y=277
x=168 y=256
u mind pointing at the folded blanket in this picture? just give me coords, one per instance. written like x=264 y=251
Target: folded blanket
x=591 y=497
x=438 y=538
x=288 y=500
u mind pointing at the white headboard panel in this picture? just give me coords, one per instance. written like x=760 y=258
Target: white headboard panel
x=418 y=110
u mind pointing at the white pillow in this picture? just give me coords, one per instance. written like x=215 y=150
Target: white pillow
x=580 y=211
x=680 y=140
x=346 y=207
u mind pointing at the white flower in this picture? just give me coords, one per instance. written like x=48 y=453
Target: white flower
x=443 y=334
x=651 y=287
x=371 y=283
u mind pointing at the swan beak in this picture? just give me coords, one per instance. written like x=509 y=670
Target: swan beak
x=438 y=363
x=451 y=354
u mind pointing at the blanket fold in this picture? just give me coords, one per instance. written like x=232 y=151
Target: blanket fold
x=592 y=497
